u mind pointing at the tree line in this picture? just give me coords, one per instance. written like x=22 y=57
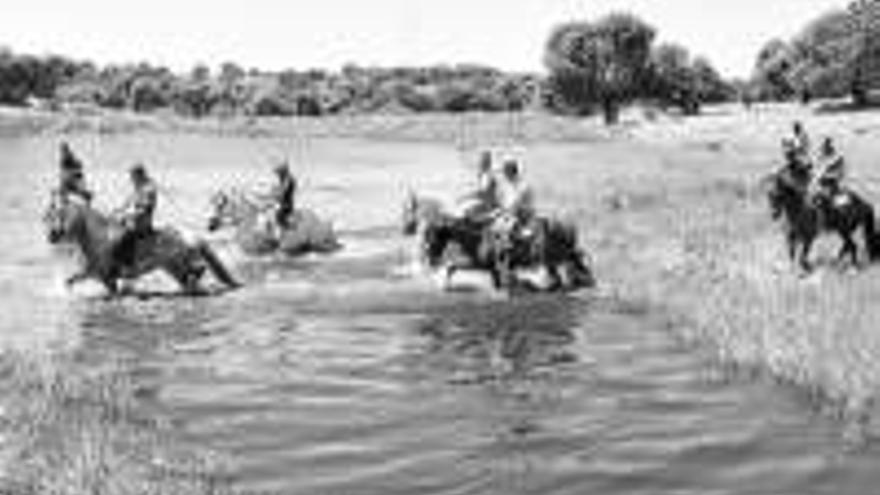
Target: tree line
x=232 y=90
x=591 y=67
x=835 y=55
x=601 y=65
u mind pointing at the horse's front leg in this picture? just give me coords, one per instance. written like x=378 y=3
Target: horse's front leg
x=111 y=284
x=849 y=250
x=791 y=244
x=804 y=258
x=555 y=277
x=449 y=272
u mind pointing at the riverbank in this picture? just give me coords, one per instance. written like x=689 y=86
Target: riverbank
x=677 y=217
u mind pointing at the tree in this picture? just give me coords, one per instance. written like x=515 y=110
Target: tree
x=602 y=63
x=673 y=80
x=771 y=72
x=834 y=55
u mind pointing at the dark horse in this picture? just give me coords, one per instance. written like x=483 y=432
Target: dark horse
x=553 y=247
x=95 y=234
x=804 y=219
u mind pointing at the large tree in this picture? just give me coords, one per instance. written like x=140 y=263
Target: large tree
x=600 y=63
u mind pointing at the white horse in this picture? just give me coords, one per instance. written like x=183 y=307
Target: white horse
x=255 y=230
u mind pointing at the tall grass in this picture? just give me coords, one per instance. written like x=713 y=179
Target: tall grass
x=691 y=234
x=72 y=429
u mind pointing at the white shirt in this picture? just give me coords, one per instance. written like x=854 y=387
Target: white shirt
x=516 y=198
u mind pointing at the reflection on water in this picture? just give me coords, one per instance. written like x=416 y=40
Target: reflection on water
x=334 y=375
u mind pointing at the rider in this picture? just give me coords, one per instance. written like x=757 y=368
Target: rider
x=137 y=216
x=796 y=168
x=515 y=213
x=484 y=199
x=801 y=142
x=72 y=177
x=283 y=195
x=832 y=171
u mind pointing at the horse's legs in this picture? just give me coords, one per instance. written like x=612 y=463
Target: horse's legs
x=450 y=271
x=504 y=271
x=583 y=275
x=187 y=278
x=852 y=249
x=555 y=277
x=791 y=243
x=112 y=286
x=804 y=258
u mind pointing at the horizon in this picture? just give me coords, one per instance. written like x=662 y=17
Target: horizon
x=383 y=33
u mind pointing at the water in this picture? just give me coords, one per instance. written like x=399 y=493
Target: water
x=339 y=375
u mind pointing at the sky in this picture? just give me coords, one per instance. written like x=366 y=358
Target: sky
x=278 y=34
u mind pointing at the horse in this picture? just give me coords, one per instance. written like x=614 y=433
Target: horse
x=253 y=233
x=417 y=214
x=554 y=247
x=803 y=219
x=95 y=235
x=419 y=211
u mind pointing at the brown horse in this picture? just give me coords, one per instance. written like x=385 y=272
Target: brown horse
x=95 y=235
x=804 y=218
x=553 y=247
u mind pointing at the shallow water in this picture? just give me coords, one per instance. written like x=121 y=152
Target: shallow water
x=342 y=375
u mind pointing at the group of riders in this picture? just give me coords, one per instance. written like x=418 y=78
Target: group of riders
x=502 y=201
x=820 y=174
x=137 y=212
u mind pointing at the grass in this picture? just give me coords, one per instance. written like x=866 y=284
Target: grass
x=681 y=222
x=72 y=429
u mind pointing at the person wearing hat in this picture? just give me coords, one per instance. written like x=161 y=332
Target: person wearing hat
x=484 y=199
x=516 y=207
x=136 y=215
x=283 y=195
x=796 y=169
x=832 y=171
x=71 y=175
x=800 y=142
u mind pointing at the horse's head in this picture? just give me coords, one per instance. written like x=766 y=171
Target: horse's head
x=61 y=218
x=784 y=192
x=437 y=238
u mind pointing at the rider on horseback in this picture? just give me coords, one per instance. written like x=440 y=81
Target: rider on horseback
x=515 y=215
x=797 y=169
x=72 y=178
x=832 y=171
x=800 y=143
x=283 y=196
x=479 y=205
x=137 y=216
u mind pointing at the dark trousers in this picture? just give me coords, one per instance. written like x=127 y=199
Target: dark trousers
x=126 y=248
x=282 y=217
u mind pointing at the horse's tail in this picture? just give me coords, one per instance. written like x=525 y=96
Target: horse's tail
x=872 y=237
x=581 y=275
x=216 y=266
